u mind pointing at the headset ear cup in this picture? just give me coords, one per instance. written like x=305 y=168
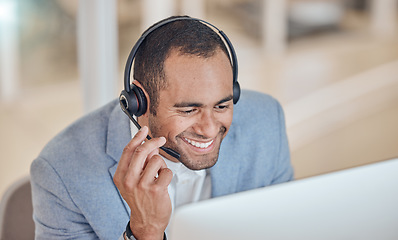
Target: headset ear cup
x=128 y=100
x=236 y=92
x=141 y=100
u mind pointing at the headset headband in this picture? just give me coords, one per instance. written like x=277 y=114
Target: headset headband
x=129 y=63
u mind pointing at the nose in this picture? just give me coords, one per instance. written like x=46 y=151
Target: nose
x=207 y=125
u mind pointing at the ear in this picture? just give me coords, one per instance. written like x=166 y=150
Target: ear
x=138 y=84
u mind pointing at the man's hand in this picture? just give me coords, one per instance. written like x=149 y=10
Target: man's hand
x=142 y=178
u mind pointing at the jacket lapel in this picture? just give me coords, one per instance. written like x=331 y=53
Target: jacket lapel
x=118 y=136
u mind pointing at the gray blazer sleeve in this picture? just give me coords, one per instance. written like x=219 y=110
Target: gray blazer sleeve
x=55 y=214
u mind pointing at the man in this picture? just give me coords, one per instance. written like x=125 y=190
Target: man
x=93 y=179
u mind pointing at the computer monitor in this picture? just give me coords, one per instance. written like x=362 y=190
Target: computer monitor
x=357 y=203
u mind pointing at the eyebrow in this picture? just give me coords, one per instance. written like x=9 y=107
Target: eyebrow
x=194 y=104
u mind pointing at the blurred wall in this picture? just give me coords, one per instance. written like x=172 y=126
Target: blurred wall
x=335 y=75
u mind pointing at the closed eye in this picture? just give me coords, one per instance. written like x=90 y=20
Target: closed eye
x=222 y=106
x=187 y=111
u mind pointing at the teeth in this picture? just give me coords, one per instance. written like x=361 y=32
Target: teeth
x=198 y=144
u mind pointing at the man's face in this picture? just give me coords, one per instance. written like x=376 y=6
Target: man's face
x=195 y=110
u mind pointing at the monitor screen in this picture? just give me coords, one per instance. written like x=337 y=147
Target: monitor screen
x=357 y=203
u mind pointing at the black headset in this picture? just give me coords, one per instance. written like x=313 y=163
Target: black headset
x=133 y=98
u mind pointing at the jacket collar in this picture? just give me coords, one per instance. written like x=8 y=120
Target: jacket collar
x=118 y=136
x=118 y=133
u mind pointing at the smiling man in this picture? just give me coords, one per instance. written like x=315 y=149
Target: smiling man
x=194 y=113
x=102 y=172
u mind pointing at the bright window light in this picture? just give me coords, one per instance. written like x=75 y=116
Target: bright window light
x=7 y=11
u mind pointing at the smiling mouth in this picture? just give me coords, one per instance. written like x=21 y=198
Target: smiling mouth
x=201 y=145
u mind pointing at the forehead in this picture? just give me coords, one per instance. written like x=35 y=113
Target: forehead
x=191 y=77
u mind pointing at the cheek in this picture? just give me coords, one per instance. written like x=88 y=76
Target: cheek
x=177 y=126
x=227 y=120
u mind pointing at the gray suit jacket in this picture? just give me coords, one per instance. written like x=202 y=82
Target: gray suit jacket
x=74 y=196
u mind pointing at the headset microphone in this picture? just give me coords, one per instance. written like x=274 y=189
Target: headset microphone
x=123 y=105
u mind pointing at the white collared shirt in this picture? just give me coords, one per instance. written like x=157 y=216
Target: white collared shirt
x=187 y=186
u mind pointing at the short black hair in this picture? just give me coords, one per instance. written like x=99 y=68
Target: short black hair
x=188 y=36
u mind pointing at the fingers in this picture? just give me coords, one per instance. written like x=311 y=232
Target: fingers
x=129 y=150
x=165 y=177
x=134 y=156
x=156 y=166
x=142 y=152
x=135 y=177
x=153 y=153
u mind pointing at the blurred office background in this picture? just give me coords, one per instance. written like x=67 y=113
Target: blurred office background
x=333 y=64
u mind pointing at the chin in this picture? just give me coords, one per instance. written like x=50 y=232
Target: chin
x=198 y=162
x=197 y=158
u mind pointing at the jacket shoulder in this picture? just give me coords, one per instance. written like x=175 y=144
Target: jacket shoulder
x=89 y=130
x=253 y=105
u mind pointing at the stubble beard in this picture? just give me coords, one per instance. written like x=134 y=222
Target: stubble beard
x=200 y=161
